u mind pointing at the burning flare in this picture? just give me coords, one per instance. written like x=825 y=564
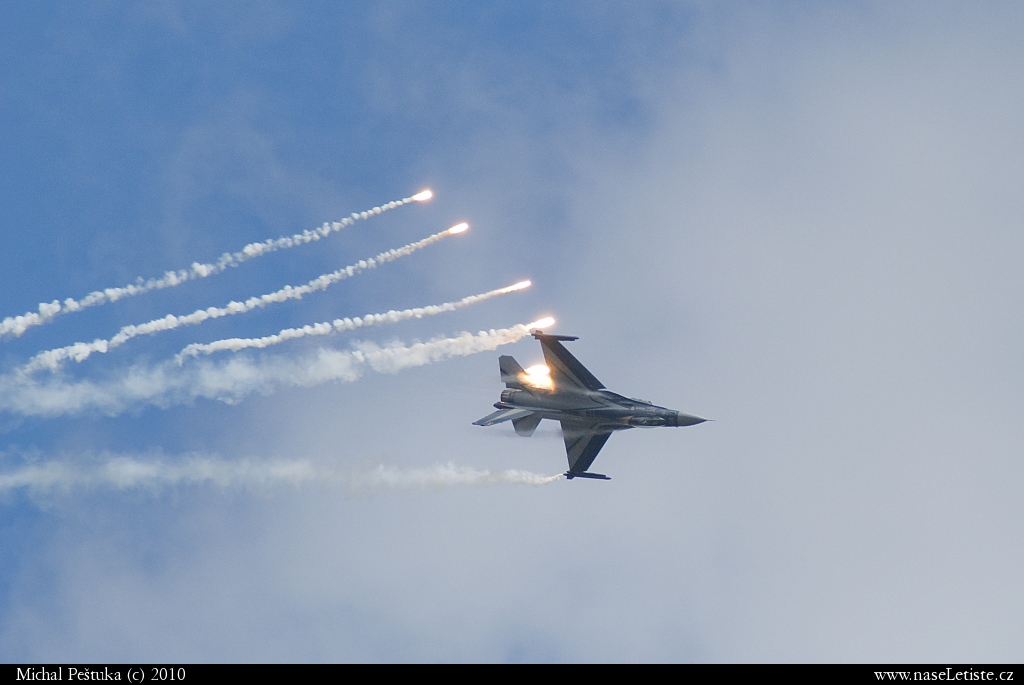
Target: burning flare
x=538 y=376
x=80 y=351
x=166 y=384
x=17 y=325
x=339 y=325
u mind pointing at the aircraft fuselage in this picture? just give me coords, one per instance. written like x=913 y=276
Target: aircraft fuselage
x=602 y=407
x=564 y=390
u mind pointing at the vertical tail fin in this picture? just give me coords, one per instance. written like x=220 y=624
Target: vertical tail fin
x=510 y=372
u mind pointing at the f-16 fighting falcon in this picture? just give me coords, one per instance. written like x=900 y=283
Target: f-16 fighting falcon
x=562 y=389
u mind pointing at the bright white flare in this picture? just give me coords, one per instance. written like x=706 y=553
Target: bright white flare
x=80 y=351
x=458 y=228
x=167 y=384
x=17 y=325
x=538 y=376
x=341 y=325
x=543 y=323
x=117 y=472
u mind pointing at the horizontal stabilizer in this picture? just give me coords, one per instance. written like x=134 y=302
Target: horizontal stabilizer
x=541 y=335
x=503 y=415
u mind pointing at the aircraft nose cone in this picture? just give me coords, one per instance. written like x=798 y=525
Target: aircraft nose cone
x=688 y=419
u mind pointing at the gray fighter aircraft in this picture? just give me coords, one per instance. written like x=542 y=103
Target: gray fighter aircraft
x=564 y=390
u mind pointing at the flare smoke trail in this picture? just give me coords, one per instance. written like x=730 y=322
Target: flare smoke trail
x=122 y=473
x=17 y=325
x=440 y=475
x=167 y=383
x=130 y=473
x=341 y=325
x=80 y=351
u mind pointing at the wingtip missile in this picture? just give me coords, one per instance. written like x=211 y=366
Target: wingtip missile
x=541 y=335
x=569 y=475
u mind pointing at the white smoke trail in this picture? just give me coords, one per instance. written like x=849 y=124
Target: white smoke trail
x=80 y=351
x=439 y=476
x=168 y=384
x=123 y=473
x=340 y=325
x=133 y=473
x=17 y=325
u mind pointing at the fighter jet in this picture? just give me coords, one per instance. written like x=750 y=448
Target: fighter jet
x=563 y=389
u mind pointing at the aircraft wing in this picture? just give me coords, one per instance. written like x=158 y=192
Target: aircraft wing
x=566 y=370
x=582 y=443
x=503 y=415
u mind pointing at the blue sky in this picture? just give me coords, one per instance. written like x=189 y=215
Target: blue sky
x=802 y=222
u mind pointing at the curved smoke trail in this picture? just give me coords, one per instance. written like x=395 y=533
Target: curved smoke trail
x=80 y=351
x=341 y=325
x=167 y=384
x=17 y=325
